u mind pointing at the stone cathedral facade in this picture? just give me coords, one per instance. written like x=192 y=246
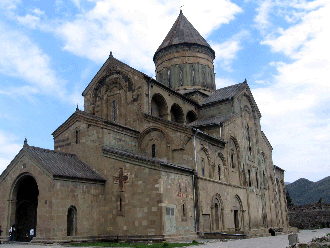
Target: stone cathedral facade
x=170 y=158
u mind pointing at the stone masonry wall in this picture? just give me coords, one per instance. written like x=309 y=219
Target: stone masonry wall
x=309 y=216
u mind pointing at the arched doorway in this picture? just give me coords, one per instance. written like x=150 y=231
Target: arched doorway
x=72 y=221
x=25 y=195
x=217 y=213
x=238 y=214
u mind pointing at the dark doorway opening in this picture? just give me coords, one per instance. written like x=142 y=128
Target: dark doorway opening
x=216 y=215
x=26 y=207
x=236 y=221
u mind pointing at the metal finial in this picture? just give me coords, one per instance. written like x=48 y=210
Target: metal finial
x=77 y=107
x=25 y=143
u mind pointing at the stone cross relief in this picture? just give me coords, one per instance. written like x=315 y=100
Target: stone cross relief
x=121 y=179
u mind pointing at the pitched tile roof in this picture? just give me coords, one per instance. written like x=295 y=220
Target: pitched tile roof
x=209 y=121
x=143 y=158
x=63 y=165
x=224 y=93
x=183 y=31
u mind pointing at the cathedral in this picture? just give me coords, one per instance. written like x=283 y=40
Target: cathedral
x=169 y=158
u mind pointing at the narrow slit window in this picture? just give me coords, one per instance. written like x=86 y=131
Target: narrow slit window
x=203 y=168
x=77 y=136
x=257 y=180
x=193 y=75
x=181 y=79
x=114 y=110
x=169 y=77
x=249 y=175
x=153 y=150
x=219 y=172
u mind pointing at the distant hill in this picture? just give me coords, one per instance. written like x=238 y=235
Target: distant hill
x=304 y=191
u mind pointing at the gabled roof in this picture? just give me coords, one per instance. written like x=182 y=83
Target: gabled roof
x=225 y=93
x=181 y=32
x=209 y=121
x=62 y=165
x=229 y=92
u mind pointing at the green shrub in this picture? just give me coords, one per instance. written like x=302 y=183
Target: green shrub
x=165 y=244
x=194 y=242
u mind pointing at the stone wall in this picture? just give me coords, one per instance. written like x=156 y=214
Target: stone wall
x=309 y=216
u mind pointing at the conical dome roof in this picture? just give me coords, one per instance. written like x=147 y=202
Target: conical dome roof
x=183 y=31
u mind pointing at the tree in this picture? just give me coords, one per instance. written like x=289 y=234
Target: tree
x=289 y=200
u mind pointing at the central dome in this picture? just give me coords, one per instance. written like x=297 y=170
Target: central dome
x=184 y=60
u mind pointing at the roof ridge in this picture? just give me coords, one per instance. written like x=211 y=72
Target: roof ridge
x=49 y=150
x=231 y=86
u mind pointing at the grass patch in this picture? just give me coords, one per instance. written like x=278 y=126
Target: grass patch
x=135 y=245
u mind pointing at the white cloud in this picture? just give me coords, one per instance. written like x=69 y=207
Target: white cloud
x=262 y=18
x=295 y=108
x=137 y=32
x=9 y=147
x=226 y=52
x=23 y=59
x=9 y=4
x=221 y=82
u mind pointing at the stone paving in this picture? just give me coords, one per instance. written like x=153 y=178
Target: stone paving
x=280 y=241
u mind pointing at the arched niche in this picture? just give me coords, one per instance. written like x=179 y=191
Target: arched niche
x=205 y=162
x=191 y=116
x=177 y=114
x=233 y=148
x=24 y=205
x=217 y=213
x=159 y=106
x=155 y=142
x=72 y=221
x=110 y=97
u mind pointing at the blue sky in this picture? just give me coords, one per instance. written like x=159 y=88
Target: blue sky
x=50 y=50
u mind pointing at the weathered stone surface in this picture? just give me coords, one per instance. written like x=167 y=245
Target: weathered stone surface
x=170 y=170
x=309 y=216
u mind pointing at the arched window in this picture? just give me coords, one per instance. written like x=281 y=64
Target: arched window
x=77 y=136
x=232 y=160
x=203 y=167
x=121 y=204
x=233 y=153
x=181 y=78
x=184 y=212
x=191 y=116
x=193 y=75
x=177 y=113
x=72 y=221
x=114 y=110
x=249 y=139
x=153 y=150
x=158 y=106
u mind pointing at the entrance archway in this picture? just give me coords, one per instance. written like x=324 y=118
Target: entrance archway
x=25 y=195
x=238 y=214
